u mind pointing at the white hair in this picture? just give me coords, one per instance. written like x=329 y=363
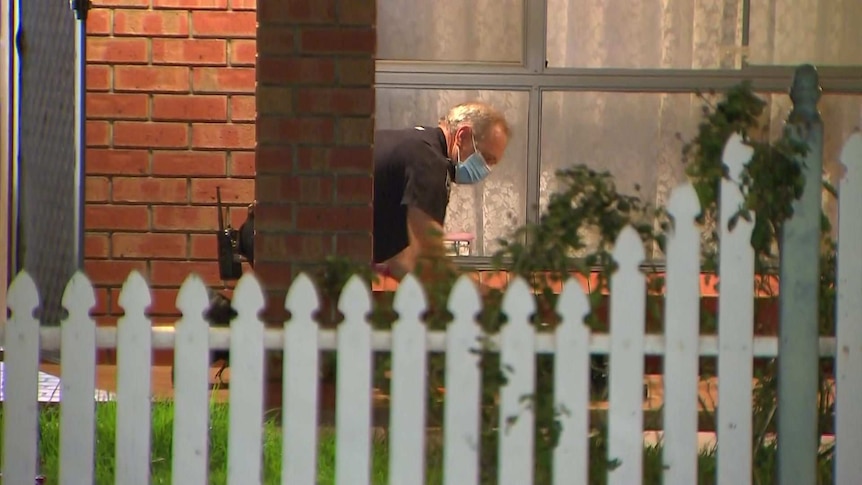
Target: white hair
x=480 y=116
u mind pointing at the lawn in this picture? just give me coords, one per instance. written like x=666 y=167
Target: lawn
x=162 y=421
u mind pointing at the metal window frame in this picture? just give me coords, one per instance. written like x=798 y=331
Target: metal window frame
x=7 y=30
x=80 y=131
x=534 y=76
x=14 y=138
x=13 y=57
x=413 y=75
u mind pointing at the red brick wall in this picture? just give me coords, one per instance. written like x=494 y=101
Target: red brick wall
x=170 y=116
x=315 y=73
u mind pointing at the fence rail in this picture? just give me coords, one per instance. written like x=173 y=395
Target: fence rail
x=571 y=342
x=163 y=337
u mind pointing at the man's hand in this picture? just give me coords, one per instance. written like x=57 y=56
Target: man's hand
x=427 y=249
x=426 y=234
x=484 y=289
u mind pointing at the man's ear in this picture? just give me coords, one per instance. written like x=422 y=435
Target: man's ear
x=462 y=136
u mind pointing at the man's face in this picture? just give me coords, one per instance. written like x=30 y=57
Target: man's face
x=492 y=147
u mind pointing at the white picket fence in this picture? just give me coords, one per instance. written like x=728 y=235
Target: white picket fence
x=410 y=341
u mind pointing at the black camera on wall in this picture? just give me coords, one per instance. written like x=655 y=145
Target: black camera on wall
x=235 y=246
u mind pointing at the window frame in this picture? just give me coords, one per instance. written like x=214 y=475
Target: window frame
x=535 y=77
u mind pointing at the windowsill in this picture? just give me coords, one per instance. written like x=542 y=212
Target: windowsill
x=500 y=279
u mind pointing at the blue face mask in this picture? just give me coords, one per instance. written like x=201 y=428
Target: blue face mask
x=472 y=170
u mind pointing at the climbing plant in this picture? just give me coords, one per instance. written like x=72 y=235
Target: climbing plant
x=575 y=234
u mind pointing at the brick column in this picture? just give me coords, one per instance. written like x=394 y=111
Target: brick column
x=170 y=117
x=315 y=121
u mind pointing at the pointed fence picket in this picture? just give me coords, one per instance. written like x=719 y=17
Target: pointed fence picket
x=134 y=358
x=410 y=342
x=353 y=387
x=246 y=400
x=518 y=364
x=301 y=357
x=463 y=387
x=682 y=323
x=626 y=369
x=735 y=324
x=20 y=378
x=78 y=387
x=409 y=364
x=191 y=386
x=848 y=359
x=572 y=387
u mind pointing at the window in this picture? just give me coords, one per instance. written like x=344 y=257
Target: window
x=822 y=32
x=686 y=34
x=451 y=30
x=609 y=84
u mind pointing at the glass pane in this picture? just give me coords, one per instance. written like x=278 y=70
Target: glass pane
x=683 y=34
x=634 y=136
x=631 y=135
x=488 y=210
x=451 y=30
x=789 y=32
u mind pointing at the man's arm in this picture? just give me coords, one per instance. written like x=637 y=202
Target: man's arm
x=426 y=254
x=426 y=234
x=426 y=245
x=433 y=264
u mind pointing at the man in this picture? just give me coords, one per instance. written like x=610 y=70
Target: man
x=413 y=170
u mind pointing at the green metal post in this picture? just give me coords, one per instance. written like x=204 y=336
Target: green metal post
x=798 y=350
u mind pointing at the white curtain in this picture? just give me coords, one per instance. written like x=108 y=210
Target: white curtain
x=450 y=30
x=635 y=136
x=822 y=32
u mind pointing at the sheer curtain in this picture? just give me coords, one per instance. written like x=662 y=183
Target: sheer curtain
x=822 y=32
x=450 y=30
x=636 y=136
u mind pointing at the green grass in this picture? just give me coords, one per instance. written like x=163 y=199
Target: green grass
x=161 y=441
x=162 y=422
